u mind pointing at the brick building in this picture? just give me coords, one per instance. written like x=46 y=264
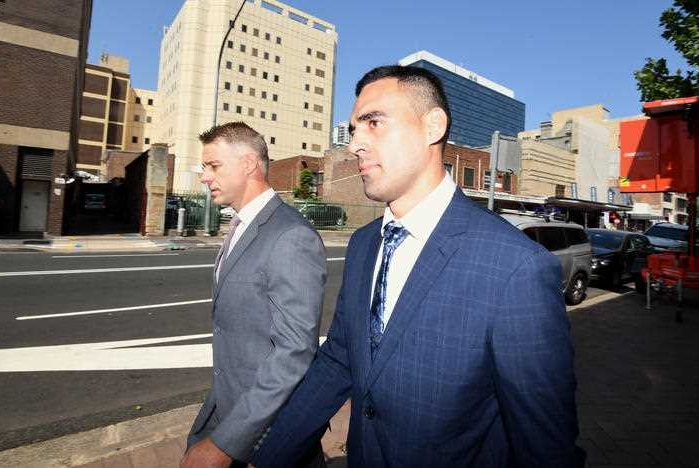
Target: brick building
x=284 y=174
x=43 y=47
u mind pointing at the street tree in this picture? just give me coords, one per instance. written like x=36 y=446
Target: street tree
x=680 y=25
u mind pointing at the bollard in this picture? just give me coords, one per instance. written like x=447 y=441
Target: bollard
x=180 y=221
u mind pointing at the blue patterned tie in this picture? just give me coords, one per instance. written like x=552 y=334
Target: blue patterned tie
x=393 y=235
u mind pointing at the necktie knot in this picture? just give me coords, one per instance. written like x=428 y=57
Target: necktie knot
x=393 y=235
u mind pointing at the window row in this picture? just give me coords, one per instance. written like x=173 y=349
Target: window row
x=319 y=73
x=138 y=101
x=256 y=32
x=315 y=126
x=317 y=89
x=255 y=52
x=319 y=55
x=314 y=147
x=250 y=112
x=137 y=118
x=253 y=72
x=252 y=91
x=146 y=140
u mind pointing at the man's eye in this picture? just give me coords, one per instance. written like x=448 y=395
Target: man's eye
x=374 y=123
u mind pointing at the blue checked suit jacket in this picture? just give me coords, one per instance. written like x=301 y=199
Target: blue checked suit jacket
x=475 y=367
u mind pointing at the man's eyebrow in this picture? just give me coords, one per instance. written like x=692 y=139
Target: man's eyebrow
x=370 y=116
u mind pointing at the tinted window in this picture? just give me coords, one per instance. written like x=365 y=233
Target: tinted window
x=552 y=238
x=576 y=236
x=667 y=232
x=606 y=239
x=531 y=232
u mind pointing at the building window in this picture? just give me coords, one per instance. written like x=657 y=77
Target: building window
x=138 y=100
x=134 y=139
x=320 y=73
x=150 y=102
x=320 y=55
x=266 y=55
x=307 y=87
x=507 y=182
x=272 y=140
x=320 y=91
x=277 y=59
x=253 y=71
x=227 y=85
x=264 y=94
x=242 y=47
x=267 y=36
x=251 y=112
x=147 y=141
x=276 y=78
x=573 y=190
x=315 y=147
x=279 y=40
x=225 y=106
x=317 y=126
x=303 y=145
x=244 y=28
x=241 y=68
x=230 y=44
x=469 y=177
x=240 y=88
x=238 y=110
x=667 y=197
x=254 y=52
x=274 y=117
x=229 y=65
x=265 y=75
x=305 y=124
x=252 y=92
x=317 y=108
x=149 y=119
x=256 y=32
x=309 y=51
x=308 y=69
x=486 y=180
x=275 y=97
x=136 y=118
x=560 y=191
x=263 y=114
x=305 y=105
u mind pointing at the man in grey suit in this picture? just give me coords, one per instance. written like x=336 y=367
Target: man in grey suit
x=267 y=298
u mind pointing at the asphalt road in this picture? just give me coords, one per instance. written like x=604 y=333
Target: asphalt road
x=68 y=359
x=127 y=337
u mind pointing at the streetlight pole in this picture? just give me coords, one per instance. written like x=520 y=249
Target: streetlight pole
x=231 y=25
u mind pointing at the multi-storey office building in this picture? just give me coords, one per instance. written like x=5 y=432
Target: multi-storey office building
x=43 y=47
x=341 y=136
x=478 y=106
x=277 y=74
x=114 y=116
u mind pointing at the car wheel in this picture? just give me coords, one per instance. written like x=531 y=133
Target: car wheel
x=577 y=289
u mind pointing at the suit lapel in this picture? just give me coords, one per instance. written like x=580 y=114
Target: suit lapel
x=434 y=256
x=244 y=242
x=364 y=299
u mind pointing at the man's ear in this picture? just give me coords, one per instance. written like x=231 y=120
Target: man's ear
x=436 y=120
x=250 y=162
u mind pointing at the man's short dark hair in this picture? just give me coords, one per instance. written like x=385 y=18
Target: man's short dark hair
x=238 y=132
x=424 y=85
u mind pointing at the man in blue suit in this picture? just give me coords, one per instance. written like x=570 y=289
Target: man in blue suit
x=450 y=335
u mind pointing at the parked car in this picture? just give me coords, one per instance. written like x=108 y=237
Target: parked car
x=668 y=237
x=619 y=256
x=95 y=201
x=568 y=242
x=323 y=215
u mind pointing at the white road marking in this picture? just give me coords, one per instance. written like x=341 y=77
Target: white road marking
x=105 y=311
x=111 y=355
x=336 y=259
x=100 y=270
x=115 y=255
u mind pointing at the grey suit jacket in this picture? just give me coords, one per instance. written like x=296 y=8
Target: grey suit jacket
x=266 y=314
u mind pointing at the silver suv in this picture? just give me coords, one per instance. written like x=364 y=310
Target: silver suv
x=568 y=242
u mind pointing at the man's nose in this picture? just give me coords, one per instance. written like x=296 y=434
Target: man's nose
x=355 y=145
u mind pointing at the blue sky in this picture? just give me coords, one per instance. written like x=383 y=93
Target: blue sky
x=554 y=54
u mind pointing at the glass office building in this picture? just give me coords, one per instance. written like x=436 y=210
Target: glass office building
x=478 y=106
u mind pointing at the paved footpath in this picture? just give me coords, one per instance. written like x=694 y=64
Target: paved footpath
x=638 y=398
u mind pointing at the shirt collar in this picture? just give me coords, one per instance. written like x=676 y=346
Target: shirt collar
x=252 y=209
x=423 y=218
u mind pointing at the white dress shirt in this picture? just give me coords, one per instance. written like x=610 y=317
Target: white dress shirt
x=246 y=215
x=420 y=222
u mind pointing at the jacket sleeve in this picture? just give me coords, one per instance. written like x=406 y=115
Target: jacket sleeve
x=323 y=391
x=295 y=290
x=534 y=372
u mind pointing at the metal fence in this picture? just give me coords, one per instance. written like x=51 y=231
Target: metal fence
x=194 y=204
x=328 y=215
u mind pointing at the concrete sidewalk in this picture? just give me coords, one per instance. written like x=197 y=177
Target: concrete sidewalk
x=136 y=242
x=638 y=398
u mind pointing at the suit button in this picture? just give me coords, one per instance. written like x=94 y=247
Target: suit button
x=217 y=371
x=217 y=330
x=369 y=412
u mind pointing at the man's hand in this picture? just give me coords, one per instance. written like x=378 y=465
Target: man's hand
x=205 y=454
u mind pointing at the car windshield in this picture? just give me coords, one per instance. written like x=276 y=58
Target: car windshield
x=606 y=240
x=667 y=233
